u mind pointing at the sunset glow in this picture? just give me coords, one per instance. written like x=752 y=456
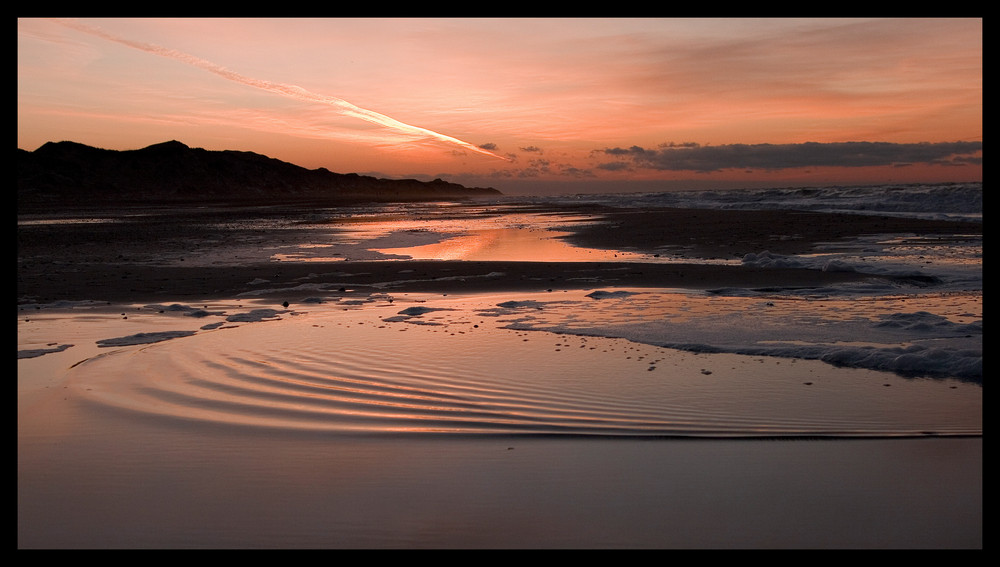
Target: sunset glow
x=525 y=105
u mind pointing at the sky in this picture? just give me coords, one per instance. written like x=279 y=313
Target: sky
x=550 y=105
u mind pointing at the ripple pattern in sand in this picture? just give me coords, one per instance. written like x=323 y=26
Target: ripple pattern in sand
x=292 y=375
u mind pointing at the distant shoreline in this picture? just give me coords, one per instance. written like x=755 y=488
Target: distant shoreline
x=66 y=174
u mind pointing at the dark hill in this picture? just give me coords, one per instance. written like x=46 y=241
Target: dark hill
x=72 y=174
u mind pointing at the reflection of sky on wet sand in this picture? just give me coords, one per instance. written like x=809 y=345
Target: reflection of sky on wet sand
x=469 y=364
x=508 y=237
x=509 y=244
x=345 y=425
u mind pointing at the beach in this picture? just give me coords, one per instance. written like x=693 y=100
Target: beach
x=471 y=375
x=210 y=254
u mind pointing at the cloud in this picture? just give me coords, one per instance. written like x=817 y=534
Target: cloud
x=615 y=166
x=291 y=91
x=694 y=157
x=576 y=172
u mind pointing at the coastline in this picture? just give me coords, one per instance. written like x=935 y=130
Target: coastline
x=100 y=465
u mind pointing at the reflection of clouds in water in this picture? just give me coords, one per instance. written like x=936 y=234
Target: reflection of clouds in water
x=144 y=338
x=35 y=352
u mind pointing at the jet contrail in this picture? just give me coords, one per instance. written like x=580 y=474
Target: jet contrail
x=292 y=91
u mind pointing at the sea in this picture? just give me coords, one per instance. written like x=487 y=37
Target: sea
x=958 y=201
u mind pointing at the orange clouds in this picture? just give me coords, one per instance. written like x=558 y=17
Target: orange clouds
x=446 y=97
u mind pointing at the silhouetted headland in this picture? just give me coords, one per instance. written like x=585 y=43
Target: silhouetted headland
x=69 y=174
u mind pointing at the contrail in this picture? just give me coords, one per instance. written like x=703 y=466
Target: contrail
x=292 y=91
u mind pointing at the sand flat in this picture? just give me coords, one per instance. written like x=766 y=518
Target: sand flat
x=332 y=428
x=429 y=404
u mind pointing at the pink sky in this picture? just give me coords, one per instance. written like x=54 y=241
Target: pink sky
x=524 y=105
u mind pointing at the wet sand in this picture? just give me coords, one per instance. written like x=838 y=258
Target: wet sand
x=90 y=476
x=224 y=491
x=153 y=257
x=104 y=461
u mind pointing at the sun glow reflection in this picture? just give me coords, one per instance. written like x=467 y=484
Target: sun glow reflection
x=419 y=235
x=509 y=244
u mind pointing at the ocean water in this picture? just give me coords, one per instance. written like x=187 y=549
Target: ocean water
x=962 y=201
